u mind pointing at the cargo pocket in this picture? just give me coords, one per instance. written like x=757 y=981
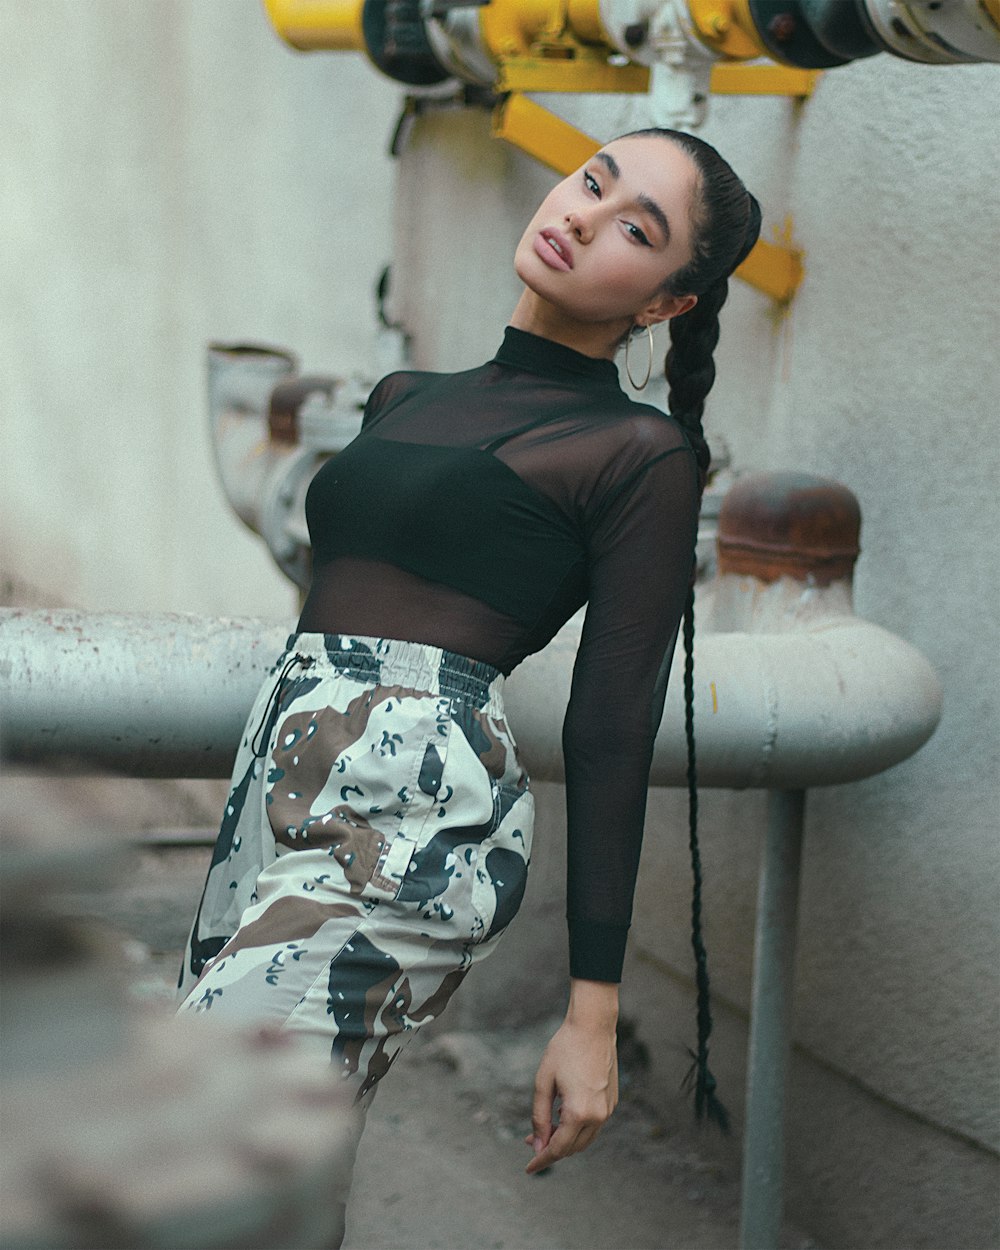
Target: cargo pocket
x=412 y=804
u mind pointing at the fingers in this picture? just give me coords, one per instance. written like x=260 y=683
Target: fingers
x=568 y=1139
x=579 y=1069
x=541 y=1109
x=573 y=1133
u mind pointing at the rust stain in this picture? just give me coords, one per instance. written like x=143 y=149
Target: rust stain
x=786 y=524
x=286 y=400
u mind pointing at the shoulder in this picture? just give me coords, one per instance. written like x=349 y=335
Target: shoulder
x=395 y=386
x=634 y=453
x=393 y=389
x=641 y=434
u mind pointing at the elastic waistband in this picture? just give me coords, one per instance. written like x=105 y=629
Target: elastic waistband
x=393 y=662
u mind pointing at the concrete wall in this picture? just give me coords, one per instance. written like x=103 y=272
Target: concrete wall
x=884 y=375
x=169 y=174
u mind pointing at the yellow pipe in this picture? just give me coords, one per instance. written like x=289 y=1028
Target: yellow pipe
x=733 y=79
x=774 y=268
x=727 y=28
x=559 y=45
x=584 y=18
x=542 y=134
x=512 y=27
x=309 y=25
x=554 y=45
x=584 y=74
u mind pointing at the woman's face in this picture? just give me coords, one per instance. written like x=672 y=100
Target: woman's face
x=605 y=239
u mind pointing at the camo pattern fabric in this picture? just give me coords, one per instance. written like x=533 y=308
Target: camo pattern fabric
x=374 y=846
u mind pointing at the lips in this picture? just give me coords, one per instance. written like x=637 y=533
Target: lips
x=554 y=249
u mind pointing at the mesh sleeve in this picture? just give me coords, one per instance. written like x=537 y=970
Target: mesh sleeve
x=641 y=562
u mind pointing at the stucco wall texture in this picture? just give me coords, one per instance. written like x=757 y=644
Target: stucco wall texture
x=883 y=375
x=173 y=174
x=170 y=174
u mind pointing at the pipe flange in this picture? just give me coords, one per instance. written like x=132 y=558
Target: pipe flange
x=960 y=32
x=395 y=35
x=787 y=31
x=843 y=29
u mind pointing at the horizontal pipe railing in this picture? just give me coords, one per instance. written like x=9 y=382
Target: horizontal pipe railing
x=167 y=696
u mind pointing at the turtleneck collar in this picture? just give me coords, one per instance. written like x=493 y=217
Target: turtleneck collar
x=523 y=350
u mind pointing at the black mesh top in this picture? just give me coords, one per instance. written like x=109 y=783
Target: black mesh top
x=477 y=511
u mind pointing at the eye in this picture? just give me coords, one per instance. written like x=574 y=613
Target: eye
x=634 y=232
x=591 y=183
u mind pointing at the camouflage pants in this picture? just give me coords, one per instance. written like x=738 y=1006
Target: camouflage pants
x=374 y=846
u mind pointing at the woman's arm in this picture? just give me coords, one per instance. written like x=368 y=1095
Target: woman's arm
x=579 y=1069
x=640 y=558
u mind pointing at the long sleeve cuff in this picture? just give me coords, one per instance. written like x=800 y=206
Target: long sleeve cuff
x=596 y=951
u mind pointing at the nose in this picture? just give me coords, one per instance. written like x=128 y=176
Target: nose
x=580 y=225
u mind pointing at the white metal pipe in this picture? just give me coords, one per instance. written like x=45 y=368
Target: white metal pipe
x=150 y=695
x=771 y=1021
x=166 y=695
x=839 y=701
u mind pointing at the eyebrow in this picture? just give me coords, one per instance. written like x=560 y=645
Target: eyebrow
x=611 y=163
x=648 y=205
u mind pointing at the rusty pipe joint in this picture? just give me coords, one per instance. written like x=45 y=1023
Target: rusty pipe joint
x=774 y=525
x=270 y=431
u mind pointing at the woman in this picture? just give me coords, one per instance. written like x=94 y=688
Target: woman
x=378 y=833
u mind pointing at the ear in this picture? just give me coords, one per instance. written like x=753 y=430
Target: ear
x=663 y=307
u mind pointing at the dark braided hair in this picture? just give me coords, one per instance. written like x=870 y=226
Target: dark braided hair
x=725 y=220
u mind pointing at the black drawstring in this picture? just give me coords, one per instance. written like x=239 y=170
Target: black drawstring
x=274 y=699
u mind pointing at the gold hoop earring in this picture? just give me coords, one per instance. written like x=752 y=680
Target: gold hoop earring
x=649 y=366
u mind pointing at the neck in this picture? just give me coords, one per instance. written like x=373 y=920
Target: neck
x=538 y=316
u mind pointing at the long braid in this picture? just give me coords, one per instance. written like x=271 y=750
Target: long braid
x=725 y=220
x=690 y=365
x=705 y=1101
x=690 y=368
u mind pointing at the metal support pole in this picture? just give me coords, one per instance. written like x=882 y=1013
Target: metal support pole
x=770 y=1022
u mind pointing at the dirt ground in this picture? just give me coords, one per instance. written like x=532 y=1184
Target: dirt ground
x=441 y=1165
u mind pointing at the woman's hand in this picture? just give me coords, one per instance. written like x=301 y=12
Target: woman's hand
x=579 y=1067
